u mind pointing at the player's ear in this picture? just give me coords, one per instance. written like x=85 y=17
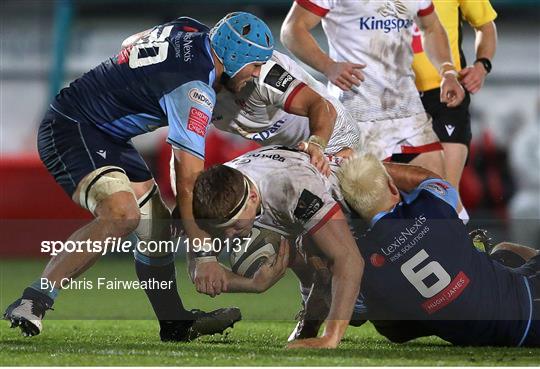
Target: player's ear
x=253 y=196
x=392 y=187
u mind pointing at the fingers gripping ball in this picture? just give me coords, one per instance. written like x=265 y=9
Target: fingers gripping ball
x=261 y=245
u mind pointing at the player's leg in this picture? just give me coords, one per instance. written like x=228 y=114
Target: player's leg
x=400 y=331
x=315 y=289
x=432 y=160
x=157 y=264
x=453 y=128
x=82 y=161
x=455 y=157
x=512 y=254
x=116 y=215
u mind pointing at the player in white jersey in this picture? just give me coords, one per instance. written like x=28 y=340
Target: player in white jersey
x=280 y=189
x=279 y=107
x=369 y=69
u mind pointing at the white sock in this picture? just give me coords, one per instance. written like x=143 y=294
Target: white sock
x=464 y=216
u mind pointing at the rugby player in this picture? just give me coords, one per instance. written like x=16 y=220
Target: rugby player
x=285 y=105
x=453 y=124
x=369 y=69
x=282 y=105
x=279 y=188
x=421 y=265
x=166 y=76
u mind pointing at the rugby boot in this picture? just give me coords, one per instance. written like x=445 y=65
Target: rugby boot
x=28 y=312
x=481 y=240
x=204 y=324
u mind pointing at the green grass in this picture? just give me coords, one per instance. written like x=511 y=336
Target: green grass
x=117 y=328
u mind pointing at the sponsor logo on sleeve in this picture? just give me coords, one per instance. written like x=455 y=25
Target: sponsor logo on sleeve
x=278 y=78
x=198 y=121
x=437 y=187
x=200 y=97
x=307 y=206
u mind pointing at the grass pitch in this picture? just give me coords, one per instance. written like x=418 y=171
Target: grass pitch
x=91 y=327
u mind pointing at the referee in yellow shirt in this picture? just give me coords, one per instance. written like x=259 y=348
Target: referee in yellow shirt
x=453 y=125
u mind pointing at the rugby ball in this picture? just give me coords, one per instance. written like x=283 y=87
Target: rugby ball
x=261 y=245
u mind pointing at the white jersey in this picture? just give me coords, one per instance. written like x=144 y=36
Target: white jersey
x=378 y=34
x=260 y=111
x=296 y=198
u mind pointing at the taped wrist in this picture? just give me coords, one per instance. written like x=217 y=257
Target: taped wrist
x=448 y=68
x=314 y=140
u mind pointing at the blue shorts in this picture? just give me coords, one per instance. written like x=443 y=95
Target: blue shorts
x=72 y=150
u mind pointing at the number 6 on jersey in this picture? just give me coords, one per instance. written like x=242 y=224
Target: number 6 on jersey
x=417 y=278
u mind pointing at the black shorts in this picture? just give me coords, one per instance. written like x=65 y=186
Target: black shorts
x=71 y=150
x=450 y=124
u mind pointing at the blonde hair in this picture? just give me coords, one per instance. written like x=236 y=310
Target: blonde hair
x=364 y=183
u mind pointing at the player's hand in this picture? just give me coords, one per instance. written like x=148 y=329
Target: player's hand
x=452 y=93
x=317 y=157
x=345 y=153
x=273 y=270
x=345 y=75
x=210 y=278
x=472 y=78
x=324 y=342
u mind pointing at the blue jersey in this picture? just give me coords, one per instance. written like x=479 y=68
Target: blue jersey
x=421 y=265
x=165 y=78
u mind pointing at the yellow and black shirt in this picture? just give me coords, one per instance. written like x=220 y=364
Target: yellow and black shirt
x=451 y=13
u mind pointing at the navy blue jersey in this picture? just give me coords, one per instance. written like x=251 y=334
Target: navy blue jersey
x=421 y=265
x=165 y=78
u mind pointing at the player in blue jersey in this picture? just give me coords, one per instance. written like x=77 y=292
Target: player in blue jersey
x=166 y=76
x=421 y=265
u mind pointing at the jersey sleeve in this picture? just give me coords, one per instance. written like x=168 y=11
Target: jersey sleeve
x=189 y=111
x=425 y=7
x=277 y=86
x=439 y=188
x=478 y=12
x=317 y=7
x=309 y=204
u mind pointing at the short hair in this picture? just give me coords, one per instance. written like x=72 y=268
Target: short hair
x=364 y=182
x=216 y=192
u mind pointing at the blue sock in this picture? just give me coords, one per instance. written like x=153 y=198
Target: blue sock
x=37 y=285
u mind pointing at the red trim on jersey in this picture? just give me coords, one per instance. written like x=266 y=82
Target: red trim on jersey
x=189 y=29
x=427 y=11
x=314 y=8
x=434 y=146
x=325 y=219
x=291 y=96
x=446 y=296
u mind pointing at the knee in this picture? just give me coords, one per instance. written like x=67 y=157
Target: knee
x=120 y=212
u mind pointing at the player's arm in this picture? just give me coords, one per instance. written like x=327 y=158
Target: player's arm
x=277 y=86
x=207 y=275
x=265 y=277
x=407 y=177
x=438 y=50
x=134 y=38
x=322 y=117
x=188 y=121
x=336 y=242
x=296 y=36
x=472 y=77
x=413 y=179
